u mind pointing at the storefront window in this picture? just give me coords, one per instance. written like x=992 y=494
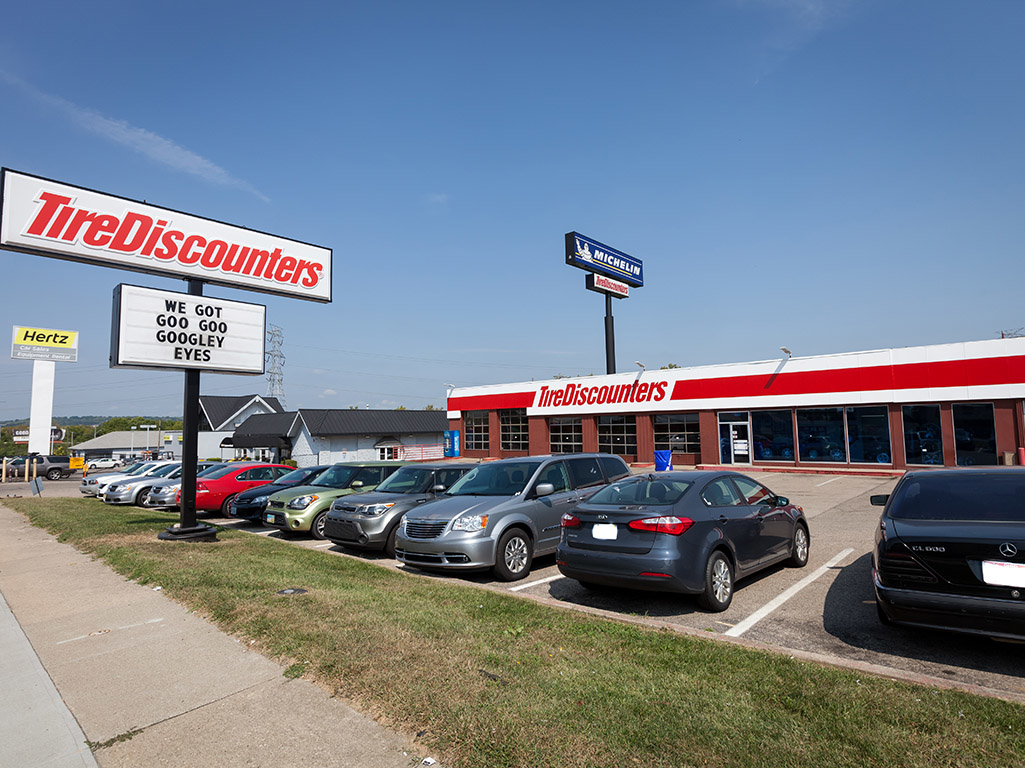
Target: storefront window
x=566 y=434
x=513 y=424
x=975 y=438
x=618 y=435
x=476 y=437
x=923 y=442
x=677 y=432
x=820 y=435
x=868 y=433
x=773 y=435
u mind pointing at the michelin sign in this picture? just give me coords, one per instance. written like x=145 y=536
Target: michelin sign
x=585 y=253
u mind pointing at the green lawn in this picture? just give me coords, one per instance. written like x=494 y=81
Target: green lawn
x=496 y=680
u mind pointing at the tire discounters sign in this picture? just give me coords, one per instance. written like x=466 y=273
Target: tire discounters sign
x=50 y=218
x=164 y=329
x=44 y=344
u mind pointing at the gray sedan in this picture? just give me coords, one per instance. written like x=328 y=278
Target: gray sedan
x=689 y=532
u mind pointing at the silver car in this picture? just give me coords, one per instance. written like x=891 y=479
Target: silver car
x=91 y=483
x=135 y=490
x=502 y=514
x=164 y=495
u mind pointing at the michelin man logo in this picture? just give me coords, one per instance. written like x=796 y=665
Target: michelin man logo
x=584 y=253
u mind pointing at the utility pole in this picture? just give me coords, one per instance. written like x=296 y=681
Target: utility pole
x=275 y=362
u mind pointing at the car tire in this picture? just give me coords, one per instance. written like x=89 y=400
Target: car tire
x=53 y=474
x=718 y=592
x=92 y=466
x=389 y=543
x=227 y=503
x=142 y=496
x=514 y=555
x=799 y=548
x=317 y=527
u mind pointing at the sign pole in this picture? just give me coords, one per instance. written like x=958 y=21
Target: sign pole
x=188 y=529
x=610 y=337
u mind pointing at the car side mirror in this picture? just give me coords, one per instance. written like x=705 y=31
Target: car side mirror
x=439 y=488
x=356 y=484
x=544 y=489
x=879 y=500
x=782 y=501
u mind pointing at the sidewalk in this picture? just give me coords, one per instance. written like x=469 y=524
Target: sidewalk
x=145 y=681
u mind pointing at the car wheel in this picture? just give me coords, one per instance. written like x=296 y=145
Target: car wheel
x=515 y=555
x=718 y=592
x=53 y=474
x=227 y=503
x=317 y=529
x=799 y=549
x=92 y=466
x=142 y=497
x=389 y=543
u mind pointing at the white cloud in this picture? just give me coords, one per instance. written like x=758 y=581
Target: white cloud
x=329 y=393
x=147 y=143
x=437 y=198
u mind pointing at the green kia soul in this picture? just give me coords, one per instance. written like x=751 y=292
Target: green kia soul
x=305 y=507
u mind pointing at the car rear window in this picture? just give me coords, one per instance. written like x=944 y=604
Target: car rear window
x=987 y=497
x=641 y=492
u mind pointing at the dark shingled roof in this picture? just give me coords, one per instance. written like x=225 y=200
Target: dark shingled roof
x=265 y=430
x=217 y=409
x=370 y=422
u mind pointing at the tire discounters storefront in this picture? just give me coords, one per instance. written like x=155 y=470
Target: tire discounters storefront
x=945 y=405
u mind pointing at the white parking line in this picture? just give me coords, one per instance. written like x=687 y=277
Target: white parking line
x=830 y=480
x=772 y=605
x=535 y=583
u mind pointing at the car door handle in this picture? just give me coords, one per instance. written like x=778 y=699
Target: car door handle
x=723 y=518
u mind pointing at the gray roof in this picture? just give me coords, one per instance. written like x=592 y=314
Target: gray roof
x=265 y=430
x=371 y=422
x=125 y=440
x=219 y=409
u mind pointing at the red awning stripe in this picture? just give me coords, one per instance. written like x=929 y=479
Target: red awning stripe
x=977 y=372
x=492 y=402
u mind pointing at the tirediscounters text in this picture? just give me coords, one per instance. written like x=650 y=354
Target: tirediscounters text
x=70 y=222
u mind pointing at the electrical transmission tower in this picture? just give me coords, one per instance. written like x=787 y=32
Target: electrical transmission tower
x=275 y=362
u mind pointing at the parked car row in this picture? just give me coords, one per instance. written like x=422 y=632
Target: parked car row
x=685 y=532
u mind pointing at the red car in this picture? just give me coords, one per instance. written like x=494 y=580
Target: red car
x=214 y=491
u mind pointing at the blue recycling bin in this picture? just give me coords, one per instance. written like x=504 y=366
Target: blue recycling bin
x=663 y=461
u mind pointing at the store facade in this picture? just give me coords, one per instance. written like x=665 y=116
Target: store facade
x=945 y=405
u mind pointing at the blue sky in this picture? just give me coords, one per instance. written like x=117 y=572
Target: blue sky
x=828 y=176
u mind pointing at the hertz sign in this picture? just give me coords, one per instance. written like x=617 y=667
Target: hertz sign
x=44 y=344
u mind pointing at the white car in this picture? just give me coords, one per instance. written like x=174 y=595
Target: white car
x=96 y=485
x=106 y=463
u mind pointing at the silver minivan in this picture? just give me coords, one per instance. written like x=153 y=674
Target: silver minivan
x=503 y=514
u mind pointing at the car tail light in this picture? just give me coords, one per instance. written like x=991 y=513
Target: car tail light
x=201 y=488
x=672 y=524
x=569 y=521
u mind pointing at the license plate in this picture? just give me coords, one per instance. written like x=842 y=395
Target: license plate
x=607 y=531
x=269 y=518
x=1003 y=574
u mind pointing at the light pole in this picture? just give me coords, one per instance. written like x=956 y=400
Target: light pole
x=132 y=451
x=148 y=427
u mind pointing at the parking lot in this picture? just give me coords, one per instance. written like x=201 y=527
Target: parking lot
x=826 y=608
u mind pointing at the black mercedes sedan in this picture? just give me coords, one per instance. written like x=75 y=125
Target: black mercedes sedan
x=950 y=551
x=689 y=532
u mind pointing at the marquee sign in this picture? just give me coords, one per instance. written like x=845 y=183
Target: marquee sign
x=164 y=329
x=602 y=284
x=588 y=254
x=49 y=218
x=44 y=344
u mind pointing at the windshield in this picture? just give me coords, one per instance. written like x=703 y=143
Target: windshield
x=166 y=471
x=141 y=468
x=298 y=476
x=641 y=491
x=131 y=469
x=208 y=470
x=498 y=479
x=335 y=477
x=217 y=472
x=409 y=480
x=983 y=496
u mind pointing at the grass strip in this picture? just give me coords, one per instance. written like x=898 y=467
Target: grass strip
x=497 y=680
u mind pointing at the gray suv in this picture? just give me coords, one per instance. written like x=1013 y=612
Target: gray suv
x=36 y=465
x=503 y=514
x=371 y=520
